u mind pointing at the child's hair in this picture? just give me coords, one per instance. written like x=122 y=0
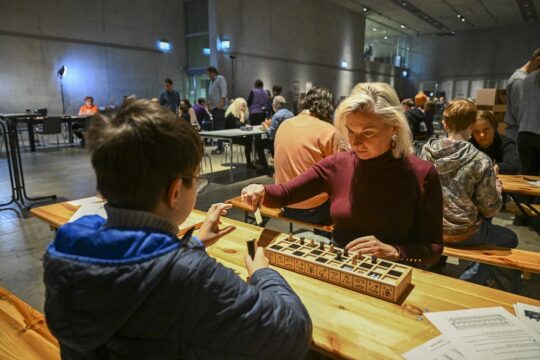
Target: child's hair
x=139 y=150
x=459 y=114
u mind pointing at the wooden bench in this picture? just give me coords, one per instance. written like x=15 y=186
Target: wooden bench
x=269 y=213
x=23 y=331
x=525 y=261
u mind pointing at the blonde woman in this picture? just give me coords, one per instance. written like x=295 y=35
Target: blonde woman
x=236 y=116
x=384 y=201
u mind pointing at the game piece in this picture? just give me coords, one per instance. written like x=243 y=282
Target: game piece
x=302 y=242
x=346 y=252
x=321 y=245
x=290 y=237
x=258 y=216
x=251 y=248
x=366 y=274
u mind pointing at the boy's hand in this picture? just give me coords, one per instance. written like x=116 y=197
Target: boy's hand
x=498 y=185
x=259 y=261
x=210 y=232
x=253 y=195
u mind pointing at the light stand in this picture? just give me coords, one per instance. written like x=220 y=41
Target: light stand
x=232 y=57
x=61 y=73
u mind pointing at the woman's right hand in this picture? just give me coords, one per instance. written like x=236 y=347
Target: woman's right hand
x=253 y=195
x=259 y=261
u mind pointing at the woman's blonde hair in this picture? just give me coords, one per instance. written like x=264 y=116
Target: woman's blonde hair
x=234 y=108
x=381 y=100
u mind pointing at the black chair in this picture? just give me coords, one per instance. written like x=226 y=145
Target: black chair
x=51 y=126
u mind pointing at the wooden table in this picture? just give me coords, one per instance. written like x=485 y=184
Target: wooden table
x=348 y=324
x=519 y=184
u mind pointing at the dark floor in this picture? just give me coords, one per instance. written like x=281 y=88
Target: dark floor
x=67 y=172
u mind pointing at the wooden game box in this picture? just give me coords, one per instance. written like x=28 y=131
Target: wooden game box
x=376 y=277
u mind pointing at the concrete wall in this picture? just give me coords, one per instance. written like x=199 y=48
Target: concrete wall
x=293 y=44
x=108 y=46
x=476 y=56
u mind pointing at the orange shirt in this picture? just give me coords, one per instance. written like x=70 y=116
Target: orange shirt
x=300 y=142
x=88 y=110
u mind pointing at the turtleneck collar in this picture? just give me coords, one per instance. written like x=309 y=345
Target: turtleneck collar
x=129 y=218
x=381 y=160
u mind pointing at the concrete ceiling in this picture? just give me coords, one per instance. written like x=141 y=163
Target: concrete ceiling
x=441 y=16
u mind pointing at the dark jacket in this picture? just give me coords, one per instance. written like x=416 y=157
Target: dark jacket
x=116 y=293
x=418 y=123
x=503 y=151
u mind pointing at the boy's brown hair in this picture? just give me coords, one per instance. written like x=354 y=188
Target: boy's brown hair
x=459 y=114
x=138 y=151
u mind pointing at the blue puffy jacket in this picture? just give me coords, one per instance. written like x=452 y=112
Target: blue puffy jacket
x=141 y=294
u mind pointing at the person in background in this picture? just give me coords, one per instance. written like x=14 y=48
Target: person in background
x=281 y=113
x=472 y=193
x=126 y=287
x=169 y=98
x=384 y=201
x=203 y=115
x=257 y=101
x=217 y=102
x=417 y=118
x=513 y=95
x=429 y=112
x=86 y=109
x=501 y=149
x=276 y=91
x=187 y=113
x=235 y=118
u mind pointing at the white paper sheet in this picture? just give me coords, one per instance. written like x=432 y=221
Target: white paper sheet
x=97 y=207
x=438 y=348
x=535 y=183
x=529 y=315
x=88 y=200
x=487 y=333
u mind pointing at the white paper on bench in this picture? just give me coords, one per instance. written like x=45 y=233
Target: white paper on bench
x=90 y=208
x=529 y=314
x=438 y=348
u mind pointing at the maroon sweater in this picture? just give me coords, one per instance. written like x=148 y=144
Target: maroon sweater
x=399 y=201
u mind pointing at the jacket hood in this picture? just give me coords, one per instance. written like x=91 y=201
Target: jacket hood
x=97 y=278
x=448 y=156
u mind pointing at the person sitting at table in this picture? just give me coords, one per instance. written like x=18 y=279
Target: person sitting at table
x=126 y=287
x=501 y=149
x=186 y=112
x=86 y=109
x=300 y=142
x=472 y=193
x=204 y=117
x=236 y=117
x=270 y=126
x=384 y=201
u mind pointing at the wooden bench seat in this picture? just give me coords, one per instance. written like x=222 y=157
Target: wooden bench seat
x=23 y=331
x=525 y=261
x=275 y=214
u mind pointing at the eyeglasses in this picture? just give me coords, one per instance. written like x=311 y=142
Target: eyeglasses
x=201 y=182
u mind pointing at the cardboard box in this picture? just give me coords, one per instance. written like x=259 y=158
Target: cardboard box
x=490 y=97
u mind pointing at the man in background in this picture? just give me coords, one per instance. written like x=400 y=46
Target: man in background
x=217 y=99
x=169 y=98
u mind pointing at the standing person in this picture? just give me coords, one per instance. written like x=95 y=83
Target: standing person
x=513 y=95
x=257 y=101
x=276 y=91
x=529 y=125
x=236 y=116
x=86 y=109
x=203 y=115
x=301 y=142
x=187 y=113
x=384 y=201
x=471 y=191
x=417 y=118
x=217 y=101
x=126 y=287
x=169 y=98
x=429 y=111
x=281 y=113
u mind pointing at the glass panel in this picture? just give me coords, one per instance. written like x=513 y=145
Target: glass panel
x=196 y=56
x=197 y=16
x=386 y=45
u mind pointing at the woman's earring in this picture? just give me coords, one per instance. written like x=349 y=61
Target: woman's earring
x=394 y=139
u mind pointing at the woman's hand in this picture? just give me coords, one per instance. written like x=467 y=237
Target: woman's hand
x=259 y=261
x=253 y=195
x=210 y=233
x=370 y=245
